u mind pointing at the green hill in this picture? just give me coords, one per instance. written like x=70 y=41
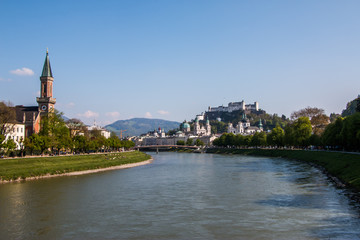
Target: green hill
x=138 y=126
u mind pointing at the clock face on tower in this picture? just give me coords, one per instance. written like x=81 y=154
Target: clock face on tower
x=43 y=107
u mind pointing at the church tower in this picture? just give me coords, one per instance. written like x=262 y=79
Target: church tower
x=46 y=101
x=208 y=127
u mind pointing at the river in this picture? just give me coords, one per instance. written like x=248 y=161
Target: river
x=183 y=196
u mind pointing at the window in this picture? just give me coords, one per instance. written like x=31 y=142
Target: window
x=17 y=129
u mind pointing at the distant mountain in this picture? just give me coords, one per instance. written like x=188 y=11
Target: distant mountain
x=138 y=126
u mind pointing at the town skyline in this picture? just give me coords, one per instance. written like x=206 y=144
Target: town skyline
x=172 y=60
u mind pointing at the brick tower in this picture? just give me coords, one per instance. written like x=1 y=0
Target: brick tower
x=46 y=101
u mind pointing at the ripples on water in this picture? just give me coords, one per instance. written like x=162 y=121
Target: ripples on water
x=183 y=196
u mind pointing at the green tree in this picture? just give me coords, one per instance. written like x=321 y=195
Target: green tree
x=180 y=142
x=332 y=134
x=127 y=144
x=220 y=142
x=239 y=140
x=302 y=131
x=247 y=140
x=289 y=137
x=230 y=139
x=276 y=137
x=80 y=143
x=36 y=144
x=114 y=142
x=315 y=140
x=199 y=143
x=317 y=118
x=218 y=127
x=258 y=139
x=55 y=131
x=9 y=146
x=350 y=132
x=2 y=139
x=189 y=142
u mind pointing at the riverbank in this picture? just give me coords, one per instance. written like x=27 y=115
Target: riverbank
x=343 y=166
x=20 y=169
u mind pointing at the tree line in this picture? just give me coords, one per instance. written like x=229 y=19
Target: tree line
x=308 y=127
x=57 y=136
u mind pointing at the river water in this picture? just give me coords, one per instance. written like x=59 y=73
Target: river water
x=183 y=196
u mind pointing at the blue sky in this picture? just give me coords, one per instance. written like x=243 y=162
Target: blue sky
x=172 y=59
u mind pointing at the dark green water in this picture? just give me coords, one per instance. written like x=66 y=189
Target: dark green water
x=183 y=196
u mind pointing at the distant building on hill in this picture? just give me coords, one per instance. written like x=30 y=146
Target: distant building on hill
x=235 y=106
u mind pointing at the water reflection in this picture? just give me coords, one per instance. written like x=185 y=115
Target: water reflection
x=183 y=196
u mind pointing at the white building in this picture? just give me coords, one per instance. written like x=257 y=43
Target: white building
x=202 y=130
x=159 y=138
x=243 y=127
x=16 y=132
x=201 y=117
x=105 y=133
x=235 y=106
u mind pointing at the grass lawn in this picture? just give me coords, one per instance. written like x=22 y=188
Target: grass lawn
x=344 y=166
x=12 y=169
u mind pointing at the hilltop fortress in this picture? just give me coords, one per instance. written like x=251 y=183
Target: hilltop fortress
x=235 y=106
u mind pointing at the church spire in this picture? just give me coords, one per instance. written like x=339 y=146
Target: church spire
x=46 y=72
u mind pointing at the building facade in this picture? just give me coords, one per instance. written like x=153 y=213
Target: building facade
x=105 y=133
x=202 y=130
x=243 y=127
x=235 y=106
x=16 y=132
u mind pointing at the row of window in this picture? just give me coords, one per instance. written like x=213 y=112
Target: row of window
x=14 y=138
x=18 y=130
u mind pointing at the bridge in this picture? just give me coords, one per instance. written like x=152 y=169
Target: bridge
x=163 y=147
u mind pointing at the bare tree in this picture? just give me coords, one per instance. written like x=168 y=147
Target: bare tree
x=317 y=118
x=7 y=117
x=76 y=125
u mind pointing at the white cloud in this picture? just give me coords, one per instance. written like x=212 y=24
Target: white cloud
x=113 y=114
x=89 y=114
x=163 y=112
x=5 y=80
x=22 y=72
x=148 y=115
